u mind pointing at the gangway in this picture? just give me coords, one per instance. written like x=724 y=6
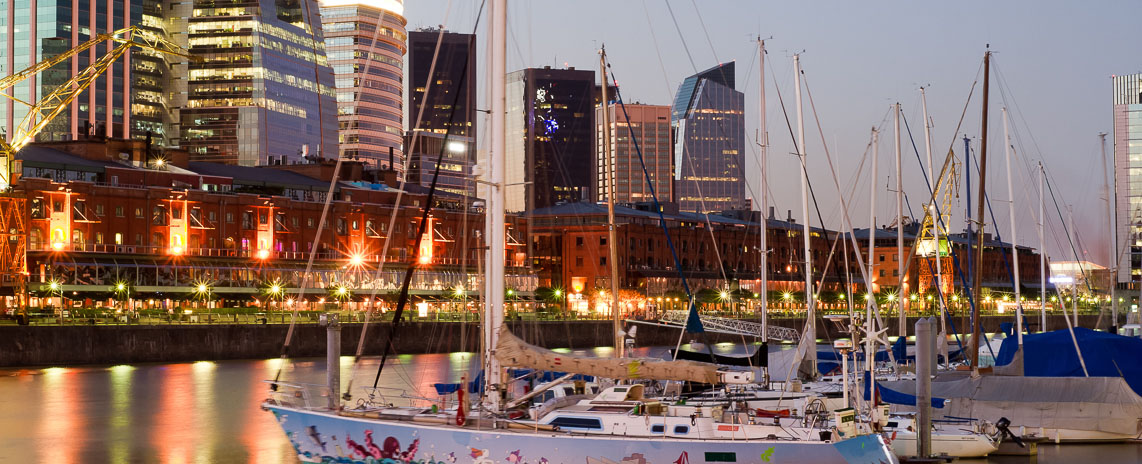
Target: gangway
x=733 y=326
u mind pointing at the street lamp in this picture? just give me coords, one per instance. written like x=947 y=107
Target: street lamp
x=57 y=288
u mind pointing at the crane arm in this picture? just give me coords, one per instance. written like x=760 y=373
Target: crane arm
x=139 y=37
x=48 y=108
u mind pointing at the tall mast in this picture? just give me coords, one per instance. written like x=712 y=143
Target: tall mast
x=810 y=310
x=1014 y=246
x=869 y=328
x=902 y=293
x=763 y=141
x=1042 y=257
x=495 y=226
x=612 y=241
x=978 y=275
x=1113 y=257
x=937 y=216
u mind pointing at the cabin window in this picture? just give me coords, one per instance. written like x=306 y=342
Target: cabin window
x=658 y=428
x=721 y=457
x=681 y=429
x=577 y=423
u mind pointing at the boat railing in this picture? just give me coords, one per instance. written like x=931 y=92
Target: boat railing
x=388 y=397
x=298 y=395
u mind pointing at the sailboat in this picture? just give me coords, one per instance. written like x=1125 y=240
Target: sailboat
x=619 y=424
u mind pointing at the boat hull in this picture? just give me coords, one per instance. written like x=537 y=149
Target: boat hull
x=319 y=436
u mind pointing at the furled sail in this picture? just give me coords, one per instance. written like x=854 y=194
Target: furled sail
x=514 y=352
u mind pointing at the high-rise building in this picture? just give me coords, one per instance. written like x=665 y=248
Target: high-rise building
x=431 y=98
x=708 y=119
x=263 y=91
x=651 y=127
x=551 y=127
x=34 y=30
x=366 y=43
x=1127 y=166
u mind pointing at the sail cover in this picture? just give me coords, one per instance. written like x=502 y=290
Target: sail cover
x=1052 y=354
x=1104 y=404
x=514 y=352
x=756 y=360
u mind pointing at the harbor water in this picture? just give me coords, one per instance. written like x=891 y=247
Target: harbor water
x=208 y=412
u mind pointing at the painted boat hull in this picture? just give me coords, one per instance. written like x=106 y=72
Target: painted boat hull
x=318 y=436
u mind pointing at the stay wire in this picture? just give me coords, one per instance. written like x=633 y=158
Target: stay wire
x=402 y=301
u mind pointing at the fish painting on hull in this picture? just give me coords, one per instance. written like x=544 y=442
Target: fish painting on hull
x=357 y=440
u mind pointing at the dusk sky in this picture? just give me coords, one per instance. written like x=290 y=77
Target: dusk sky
x=1051 y=66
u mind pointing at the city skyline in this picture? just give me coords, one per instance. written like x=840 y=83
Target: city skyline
x=858 y=60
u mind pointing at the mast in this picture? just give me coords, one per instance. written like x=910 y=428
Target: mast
x=1042 y=257
x=901 y=280
x=1014 y=246
x=763 y=141
x=810 y=310
x=869 y=328
x=978 y=275
x=609 y=158
x=1113 y=257
x=494 y=224
x=937 y=216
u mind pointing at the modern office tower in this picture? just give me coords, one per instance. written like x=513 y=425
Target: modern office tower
x=651 y=127
x=365 y=40
x=262 y=92
x=1127 y=165
x=708 y=119
x=35 y=30
x=551 y=128
x=431 y=99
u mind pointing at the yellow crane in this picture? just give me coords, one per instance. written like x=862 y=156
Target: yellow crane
x=13 y=217
x=52 y=104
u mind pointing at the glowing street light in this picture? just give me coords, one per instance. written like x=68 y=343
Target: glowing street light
x=356 y=260
x=891 y=297
x=559 y=294
x=263 y=254
x=786 y=296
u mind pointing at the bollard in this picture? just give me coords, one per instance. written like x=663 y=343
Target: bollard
x=332 y=358
x=925 y=347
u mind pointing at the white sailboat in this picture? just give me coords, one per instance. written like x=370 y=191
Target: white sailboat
x=617 y=425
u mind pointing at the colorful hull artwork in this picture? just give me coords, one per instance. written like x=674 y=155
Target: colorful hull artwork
x=328 y=438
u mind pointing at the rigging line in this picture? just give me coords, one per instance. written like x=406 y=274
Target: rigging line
x=657 y=50
x=698 y=13
x=404 y=294
x=1055 y=202
x=401 y=186
x=324 y=212
x=939 y=222
x=871 y=227
x=948 y=161
x=657 y=205
x=680 y=37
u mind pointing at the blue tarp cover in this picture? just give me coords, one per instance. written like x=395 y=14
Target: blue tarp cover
x=1052 y=354
x=890 y=396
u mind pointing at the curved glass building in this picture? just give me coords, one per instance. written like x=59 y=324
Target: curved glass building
x=366 y=42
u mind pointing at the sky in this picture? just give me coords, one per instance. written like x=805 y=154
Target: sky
x=1051 y=67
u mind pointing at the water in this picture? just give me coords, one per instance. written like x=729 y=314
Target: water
x=208 y=412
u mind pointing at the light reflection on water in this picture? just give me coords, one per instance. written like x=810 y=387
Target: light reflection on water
x=208 y=412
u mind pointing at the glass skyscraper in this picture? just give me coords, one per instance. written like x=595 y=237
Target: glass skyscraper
x=431 y=100
x=551 y=145
x=708 y=119
x=1128 y=171
x=263 y=92
x=366 y=42
x=35 y=30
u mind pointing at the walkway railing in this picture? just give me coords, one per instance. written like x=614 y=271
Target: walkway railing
x=734 y=326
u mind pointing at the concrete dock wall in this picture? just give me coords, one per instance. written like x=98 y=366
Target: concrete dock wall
x=72 y=345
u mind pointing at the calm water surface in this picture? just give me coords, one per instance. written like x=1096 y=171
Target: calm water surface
x=208 y=412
